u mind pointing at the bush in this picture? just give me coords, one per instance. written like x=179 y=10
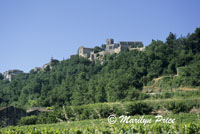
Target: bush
x=47 y=117
x=177 y=107
x=103 y=110
x=29 y=120
x=139 y=108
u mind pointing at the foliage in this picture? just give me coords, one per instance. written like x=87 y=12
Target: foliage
x=103 y=110
x=139 y=108
x=1 y=76
x=78 y=81
x=29 y=120
x=191 y=128
x=97 y=49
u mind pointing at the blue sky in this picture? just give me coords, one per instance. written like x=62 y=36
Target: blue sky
x=33 y=31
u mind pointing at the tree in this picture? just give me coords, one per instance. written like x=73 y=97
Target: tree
x=97 y=49
x=103 y=46
x=78 y=81
x=171 y=38
x=1 y=76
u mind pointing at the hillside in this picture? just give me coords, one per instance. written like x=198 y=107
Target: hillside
x=121 y=77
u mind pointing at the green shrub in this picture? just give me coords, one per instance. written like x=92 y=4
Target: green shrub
x=139 y=108
x=29 y=120
x=47 y=117
x=177 y=107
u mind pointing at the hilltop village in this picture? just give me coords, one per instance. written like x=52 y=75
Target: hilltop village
x=10 y=74
x=109 y=48
x=90 y=53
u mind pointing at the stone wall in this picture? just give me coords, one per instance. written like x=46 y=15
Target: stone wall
x=11 y=115
x=11 y=73
x=85 y=52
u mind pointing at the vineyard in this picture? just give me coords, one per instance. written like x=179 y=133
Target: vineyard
x=190 y=128
x=185 y=123
x=92 y=119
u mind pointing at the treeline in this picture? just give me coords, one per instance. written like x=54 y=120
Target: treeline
x=104 y=110
x=121 y=77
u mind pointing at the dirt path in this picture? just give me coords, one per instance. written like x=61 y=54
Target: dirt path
x=155 y=80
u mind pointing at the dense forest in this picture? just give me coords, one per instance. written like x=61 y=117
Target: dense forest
x=121 y=77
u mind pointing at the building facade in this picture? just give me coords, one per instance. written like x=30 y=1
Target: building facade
x=10 y=115
x=9 y=75
x=85 y=52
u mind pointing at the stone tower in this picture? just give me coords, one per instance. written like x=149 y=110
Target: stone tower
x=109 y=41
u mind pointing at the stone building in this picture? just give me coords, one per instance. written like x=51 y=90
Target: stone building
x=111 y=48
x=9 y=75
x=10 y=115
x=131 y=44
x=50 y=65
x=110 y=41
x=139 y=49
x=85 y=52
